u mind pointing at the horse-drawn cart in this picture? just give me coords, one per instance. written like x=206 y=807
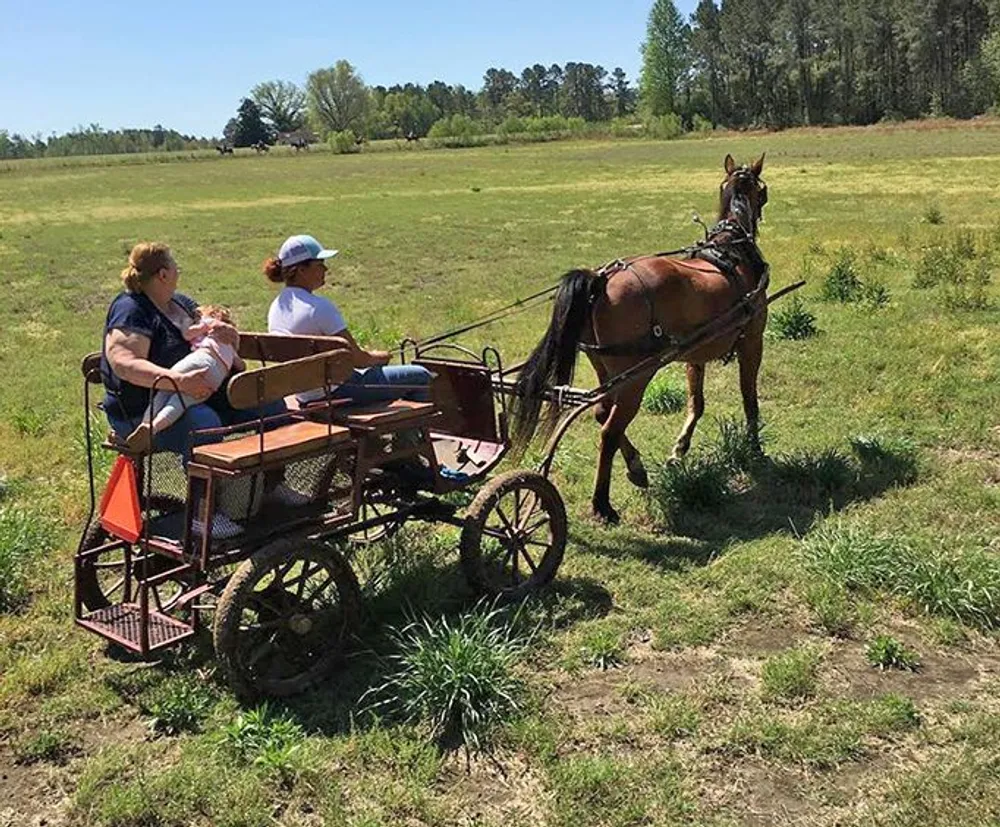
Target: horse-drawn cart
x=257 y=528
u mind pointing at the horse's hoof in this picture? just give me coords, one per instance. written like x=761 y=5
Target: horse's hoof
x=639 y=478
x=606 y=515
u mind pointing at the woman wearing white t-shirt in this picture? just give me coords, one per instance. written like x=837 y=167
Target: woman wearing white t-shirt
x=301 y=267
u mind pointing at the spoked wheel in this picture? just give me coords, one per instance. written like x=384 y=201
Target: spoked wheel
x=514 y=535
x=376 y=502
x=285 y=618
x=102 y=578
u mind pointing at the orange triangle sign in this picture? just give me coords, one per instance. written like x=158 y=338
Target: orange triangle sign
x=120 y=513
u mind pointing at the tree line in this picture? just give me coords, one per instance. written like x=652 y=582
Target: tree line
x=733 y=64
x=780 y=63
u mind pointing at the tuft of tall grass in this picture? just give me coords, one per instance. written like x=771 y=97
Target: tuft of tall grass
x=698 y=482
x=24 y=538
x=964 y=585
x=455 y=675
x=663 y=396
x=792 y=322
x=933 y=214
x=790 y=675
x=826 y=472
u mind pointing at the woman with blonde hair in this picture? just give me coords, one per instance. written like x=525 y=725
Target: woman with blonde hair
x=145 y=335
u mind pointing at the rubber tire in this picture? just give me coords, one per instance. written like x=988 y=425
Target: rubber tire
x=91 y=594
x=477 y=514
x=238 y=589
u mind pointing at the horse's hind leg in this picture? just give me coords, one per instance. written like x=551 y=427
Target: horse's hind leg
x=749 y=352
x=612 y=436
x=695 y=407
x=633 y=459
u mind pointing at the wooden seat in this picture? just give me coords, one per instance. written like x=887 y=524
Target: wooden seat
x=379 y=416
x=282 y=443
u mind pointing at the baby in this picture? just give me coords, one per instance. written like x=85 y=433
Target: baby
x=206 y=352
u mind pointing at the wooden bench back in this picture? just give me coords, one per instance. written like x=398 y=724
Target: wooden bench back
x=463 y=392
x=90 y=367
x=256 y=387
x=275 y=347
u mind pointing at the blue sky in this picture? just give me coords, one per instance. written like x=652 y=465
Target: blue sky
x=186 y=63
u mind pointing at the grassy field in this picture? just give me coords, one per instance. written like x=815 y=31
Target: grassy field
x=805 y=640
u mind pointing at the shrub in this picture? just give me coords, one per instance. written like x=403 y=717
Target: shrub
x=457 y=126
x=966 y=289
x=177 y=704
x=513 y=125
x=934 y=266
x=793 y=321
x=842 y=283
x=23 y=539
x=664 y=127
x=874 y=295
x=455 y=675
x=625 y=128
x=886 y=652
x=662 y=396
x=699 y=123
x=343 y=142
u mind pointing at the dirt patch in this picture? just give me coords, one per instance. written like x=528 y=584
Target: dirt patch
x=847 y=673
x=34 y=795
x=760 y=795
x=505 y=792
x=757 y=638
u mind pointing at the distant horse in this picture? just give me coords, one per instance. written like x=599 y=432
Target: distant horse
x=261 y=146
x=299 y=144
x=412 y=136
x=224 y=149
x=643 y=305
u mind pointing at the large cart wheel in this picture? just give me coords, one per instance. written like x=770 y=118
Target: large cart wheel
x=102 y=579
x=284 y=620
x=514 y=535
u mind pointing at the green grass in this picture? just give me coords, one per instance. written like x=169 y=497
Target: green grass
x=885 y=652
x=876 y=506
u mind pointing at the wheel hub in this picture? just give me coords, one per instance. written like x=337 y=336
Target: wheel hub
x=300 y=624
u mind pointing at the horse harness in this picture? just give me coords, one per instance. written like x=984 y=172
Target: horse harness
x=728 y=255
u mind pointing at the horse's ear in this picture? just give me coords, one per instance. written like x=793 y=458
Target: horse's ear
x=729 y=164
x=758 y=167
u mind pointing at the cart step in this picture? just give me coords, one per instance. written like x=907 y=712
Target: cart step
x=121 y=624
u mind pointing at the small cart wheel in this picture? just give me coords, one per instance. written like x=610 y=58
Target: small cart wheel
x=285 y=618
x=376 y=503
x=514 y=535
x=102 y=579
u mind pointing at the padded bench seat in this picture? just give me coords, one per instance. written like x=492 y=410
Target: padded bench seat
x=397 y=411
x=281 y=443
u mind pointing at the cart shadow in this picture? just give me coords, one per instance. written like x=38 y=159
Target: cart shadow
x=432 y=590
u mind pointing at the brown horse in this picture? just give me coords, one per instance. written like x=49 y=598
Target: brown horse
x=633 y=308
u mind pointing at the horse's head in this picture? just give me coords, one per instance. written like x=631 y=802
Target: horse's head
x=743 y=194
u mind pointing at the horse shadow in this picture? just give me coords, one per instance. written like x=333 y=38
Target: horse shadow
x=789 y=493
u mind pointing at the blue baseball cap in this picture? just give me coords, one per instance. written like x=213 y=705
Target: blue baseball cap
x=301 y=248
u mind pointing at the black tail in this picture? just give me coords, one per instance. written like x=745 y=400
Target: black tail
x=553 y=360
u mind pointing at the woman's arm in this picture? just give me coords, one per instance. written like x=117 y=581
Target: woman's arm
x=364 y=358
x=128 y=357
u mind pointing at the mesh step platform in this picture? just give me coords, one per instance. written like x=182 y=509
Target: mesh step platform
x=121 y=623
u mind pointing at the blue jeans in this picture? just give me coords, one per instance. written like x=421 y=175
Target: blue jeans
x=178 y=437
x=382 y=384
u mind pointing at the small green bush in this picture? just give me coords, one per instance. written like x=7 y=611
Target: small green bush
x=701 y=124
x=49 y=746
x=455 y=675
x=178 y=704
x=343 y=142
x=457 y=126
x=664 y=127
x=875 y=295
x=886 y=652
x=842 y=283
x=792 y=321
x=267 y=739
x=663 y=396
